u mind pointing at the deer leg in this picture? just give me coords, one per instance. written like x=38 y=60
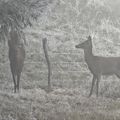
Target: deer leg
x=93 y=82
x=14 y=82
x=97 y=85
x=13 y=76
x=18 y=80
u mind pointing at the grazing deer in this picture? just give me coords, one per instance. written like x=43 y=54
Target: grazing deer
x=99 y=65
x=16 y=57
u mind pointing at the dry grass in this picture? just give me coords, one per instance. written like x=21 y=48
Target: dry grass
x=60 y=104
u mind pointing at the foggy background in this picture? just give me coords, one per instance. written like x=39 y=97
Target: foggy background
x=65 y=23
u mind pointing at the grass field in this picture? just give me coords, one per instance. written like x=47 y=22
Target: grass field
x=68 y=99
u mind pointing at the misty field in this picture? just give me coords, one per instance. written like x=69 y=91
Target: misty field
x=68 y=98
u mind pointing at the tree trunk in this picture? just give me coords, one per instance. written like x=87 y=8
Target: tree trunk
x=47 y=60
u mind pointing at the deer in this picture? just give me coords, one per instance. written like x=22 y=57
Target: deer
x=99 y=65
x=16 y=57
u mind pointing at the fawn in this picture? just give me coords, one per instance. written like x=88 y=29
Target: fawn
x=16 y=57
x=99 y=65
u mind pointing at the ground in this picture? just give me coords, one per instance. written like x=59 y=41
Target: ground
x=59 y=104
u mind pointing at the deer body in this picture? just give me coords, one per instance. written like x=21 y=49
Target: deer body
x=102 y=65
x=99 y=65
x=16 y=57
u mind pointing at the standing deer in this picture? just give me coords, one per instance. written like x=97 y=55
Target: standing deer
x=99 y=65
x=16 y=57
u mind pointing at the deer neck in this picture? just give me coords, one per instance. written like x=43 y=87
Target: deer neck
x=88 y=54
